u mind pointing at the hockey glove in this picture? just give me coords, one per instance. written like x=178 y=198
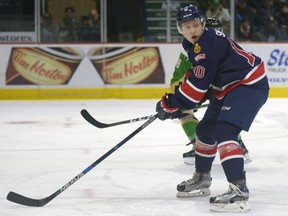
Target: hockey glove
x=165 y=110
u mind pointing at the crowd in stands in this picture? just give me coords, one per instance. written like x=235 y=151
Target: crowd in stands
x=69 y=29
x=265 y=20
x=255 y=20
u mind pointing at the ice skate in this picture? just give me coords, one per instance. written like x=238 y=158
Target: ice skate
x=197 y=186
x=234 y=200
x=189 y=157
x=247 y=158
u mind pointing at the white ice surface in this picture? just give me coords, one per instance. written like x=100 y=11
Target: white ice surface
x=45 y=144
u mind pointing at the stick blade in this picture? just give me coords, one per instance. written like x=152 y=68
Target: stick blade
x=86 y=115
x=17 y=198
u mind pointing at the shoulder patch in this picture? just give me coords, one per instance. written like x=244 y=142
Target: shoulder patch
x=200 y=56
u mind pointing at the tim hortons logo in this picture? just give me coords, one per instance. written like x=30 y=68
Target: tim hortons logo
x=38 y=68
x=131 y=68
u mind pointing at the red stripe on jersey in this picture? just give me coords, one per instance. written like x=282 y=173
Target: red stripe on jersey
x=250 y=58
x=255 y=75
x=191 y=92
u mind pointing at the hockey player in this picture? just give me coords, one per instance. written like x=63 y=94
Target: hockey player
x=188 y=120
x=240 y=89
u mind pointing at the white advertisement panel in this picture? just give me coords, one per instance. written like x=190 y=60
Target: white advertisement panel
x=112 y=65
x=17 y=37
x=275 y=57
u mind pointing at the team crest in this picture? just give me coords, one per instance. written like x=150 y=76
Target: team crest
x=197 y=48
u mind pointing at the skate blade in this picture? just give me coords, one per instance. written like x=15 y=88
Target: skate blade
x=238 y=206
x=189 y=160
x=247 y=159
x=197 y=193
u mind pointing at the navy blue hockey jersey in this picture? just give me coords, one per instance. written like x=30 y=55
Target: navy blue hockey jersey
x=218 y=61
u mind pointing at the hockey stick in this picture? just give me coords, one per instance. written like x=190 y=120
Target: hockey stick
x=86 y=115
x=23 y=200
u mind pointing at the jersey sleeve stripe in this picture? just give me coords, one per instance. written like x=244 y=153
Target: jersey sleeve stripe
x=191 y=92
x=254 y=76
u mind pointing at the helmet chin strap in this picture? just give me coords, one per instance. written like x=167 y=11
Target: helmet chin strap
x=179 y=29
x=204 y=26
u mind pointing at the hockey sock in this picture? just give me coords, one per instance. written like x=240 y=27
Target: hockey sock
x=231 y=155
x=205 y=154
x=189 y=123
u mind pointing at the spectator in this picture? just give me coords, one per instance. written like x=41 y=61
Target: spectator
x=90 y=27
x=282 y=16
x=245 y=32
x=63 y=34
x=270 y=32
x=264 y=12
x=69 y=27
x=282 y=19
x=47 y=29
x=243 y=11
x=217 y=10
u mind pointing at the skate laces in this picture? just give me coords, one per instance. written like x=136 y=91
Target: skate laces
x=237 y=190
x=196 y=178
x=227 y=192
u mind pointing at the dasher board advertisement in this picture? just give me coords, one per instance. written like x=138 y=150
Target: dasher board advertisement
x=135 y=66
